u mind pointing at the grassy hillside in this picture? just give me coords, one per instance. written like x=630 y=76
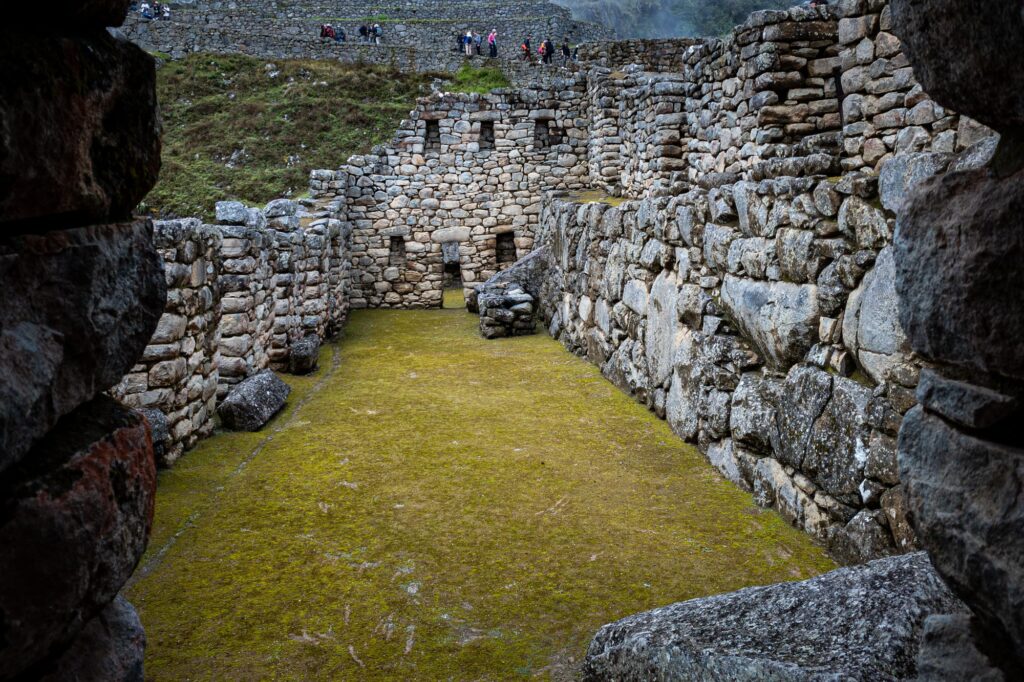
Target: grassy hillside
x=236 y=127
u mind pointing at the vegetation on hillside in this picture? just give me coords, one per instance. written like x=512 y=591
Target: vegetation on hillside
x=670 y=18
x=480 y=79
x=237 y=127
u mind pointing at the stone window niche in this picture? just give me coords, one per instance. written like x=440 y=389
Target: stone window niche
x=486 y=140
x=546 y=133
x=432 y=137
x=505 y=248
x=396 y=252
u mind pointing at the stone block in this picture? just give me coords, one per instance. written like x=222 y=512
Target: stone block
x=252 y=403
x=81 y=137
x=88 y=302
x=77 y=517
x=862 y=622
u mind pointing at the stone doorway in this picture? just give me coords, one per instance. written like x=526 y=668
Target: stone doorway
x=453 y=296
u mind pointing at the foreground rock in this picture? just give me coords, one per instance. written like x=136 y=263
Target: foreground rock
x=80 y=113
x=304 y=354
x=253 y=402
x=89 y=301
x=110 y=648
x=75 y=522
x=863 y=623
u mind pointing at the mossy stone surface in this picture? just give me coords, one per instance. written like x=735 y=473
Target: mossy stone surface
x=435 y=506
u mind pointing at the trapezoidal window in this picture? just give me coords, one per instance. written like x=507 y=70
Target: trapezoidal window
x=486 y=135
x=505 y=249
x=546 y=133
x=432 y=138
x=396 y=253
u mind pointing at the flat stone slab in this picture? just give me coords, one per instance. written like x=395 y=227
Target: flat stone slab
x=858 y=623
x=253 y=402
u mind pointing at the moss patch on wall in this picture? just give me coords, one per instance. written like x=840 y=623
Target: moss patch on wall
x=438 y=506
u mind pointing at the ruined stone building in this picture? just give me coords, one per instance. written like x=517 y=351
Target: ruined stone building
x=798 y=244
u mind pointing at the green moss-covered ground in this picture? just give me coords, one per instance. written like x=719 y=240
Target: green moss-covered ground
x=434 y=506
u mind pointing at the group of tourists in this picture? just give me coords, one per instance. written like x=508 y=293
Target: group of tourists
x=472 y=43
x=547 y=52
x=155 y=11
x=372 y=34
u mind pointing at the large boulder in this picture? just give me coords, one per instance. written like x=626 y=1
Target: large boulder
x=253 y=402
x=88 y=302
x=779 y=318
x=959 y=236
x=75 y=520
x=80 y=134
x=964 y=495
x=110 y=648
x=857 y=623
x=968 y=57
x=871 y=325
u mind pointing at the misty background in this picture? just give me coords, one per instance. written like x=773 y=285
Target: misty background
x=670 y=18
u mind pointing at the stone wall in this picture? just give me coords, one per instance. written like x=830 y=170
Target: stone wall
x=420 y=36
x=239 y=295
x=82 y=293
x=463 y=176
x=759 y=320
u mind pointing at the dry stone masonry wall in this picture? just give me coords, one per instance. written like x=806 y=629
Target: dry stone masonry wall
x=241 y=294
x=457 y=195
x=420 y=36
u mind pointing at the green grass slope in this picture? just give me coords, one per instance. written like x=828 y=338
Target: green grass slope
x=236 y=127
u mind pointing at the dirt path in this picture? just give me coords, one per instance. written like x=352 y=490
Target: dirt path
x=433 y=506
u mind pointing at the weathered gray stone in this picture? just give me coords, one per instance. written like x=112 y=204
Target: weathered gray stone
x=88 y=301
x=252 y=403
x=81 y=136
x=231 y=213
x=159 y=429
x=780 y=318
x=304 y=354
x=964 y=494
x=986 y=78
x=871 y=328
x=110 y=648
x=663 y=330
x=959 y=235
x=902 y=173
x=862 y=622
x=949 y=651
x=752 y=419
x=970 y=406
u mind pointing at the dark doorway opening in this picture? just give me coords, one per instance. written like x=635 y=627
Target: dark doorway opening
x=505 y=248
x=432 y=138
x=396 y=252
x=486 y=135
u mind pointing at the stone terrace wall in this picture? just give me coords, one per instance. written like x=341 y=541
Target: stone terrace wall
x=760 y=320
x=446 y=197
x=420 y=36
x=793 y=92
x=239 y=294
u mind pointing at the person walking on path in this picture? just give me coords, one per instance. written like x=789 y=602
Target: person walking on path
x=566 y=54
x=547 y=50
x=378 y=33
x=477 y=41
x=525 y=49
x=467 y=43
x=364 y=33
x=492 y=43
